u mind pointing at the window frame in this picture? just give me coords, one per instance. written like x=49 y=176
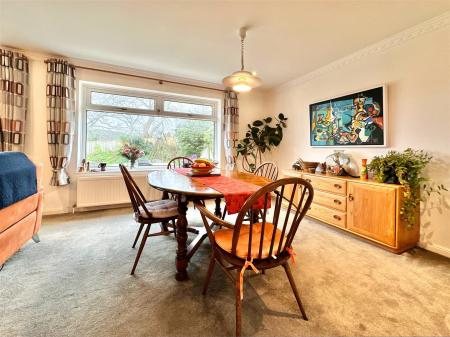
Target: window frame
x=86 y=88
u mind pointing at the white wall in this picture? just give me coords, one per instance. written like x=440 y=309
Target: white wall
x=417 y=73
x=62 y=199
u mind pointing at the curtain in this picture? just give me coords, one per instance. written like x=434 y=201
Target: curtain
x=13 y=100
x=60 y=117
x=231 y=128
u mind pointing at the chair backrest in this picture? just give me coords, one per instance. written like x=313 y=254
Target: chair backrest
x=179 y=162
x=267 y=170
x=298 y=194
x=136 y=196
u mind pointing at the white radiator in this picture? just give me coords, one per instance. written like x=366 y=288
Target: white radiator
x=104 y=189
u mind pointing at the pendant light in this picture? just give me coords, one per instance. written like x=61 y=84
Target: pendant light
x=242 y=80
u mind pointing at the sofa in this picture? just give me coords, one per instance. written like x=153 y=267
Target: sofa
x=21 y=221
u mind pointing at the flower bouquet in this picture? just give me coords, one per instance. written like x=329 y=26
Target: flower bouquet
x=132 y=153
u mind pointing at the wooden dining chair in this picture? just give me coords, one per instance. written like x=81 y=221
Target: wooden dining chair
x=263 y=245
x=147 y=213
x=180 y=162
x=268 y=170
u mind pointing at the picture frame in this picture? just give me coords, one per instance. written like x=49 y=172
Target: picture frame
x=357 y=119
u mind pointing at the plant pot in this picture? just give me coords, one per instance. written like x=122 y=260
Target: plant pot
x=132 y=163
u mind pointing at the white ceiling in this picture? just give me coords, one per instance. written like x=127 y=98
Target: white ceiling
x=198 y=39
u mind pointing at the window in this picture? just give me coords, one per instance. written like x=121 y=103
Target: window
x=122 y=101
x=162 y=126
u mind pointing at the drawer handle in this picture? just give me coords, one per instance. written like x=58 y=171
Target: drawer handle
x=337 y=217
x=337 y=186
x=337 y=201
x=350 y=197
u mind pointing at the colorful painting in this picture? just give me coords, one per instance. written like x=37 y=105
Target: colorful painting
x=351 y=120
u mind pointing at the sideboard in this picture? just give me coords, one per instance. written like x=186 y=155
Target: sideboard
x=365 y=208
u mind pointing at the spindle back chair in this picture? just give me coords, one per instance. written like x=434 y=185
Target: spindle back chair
x=263 y=245
x=144 y=216
x=267 y=170
x=180 y=162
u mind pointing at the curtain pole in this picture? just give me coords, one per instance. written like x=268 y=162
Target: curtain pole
x=159 y=80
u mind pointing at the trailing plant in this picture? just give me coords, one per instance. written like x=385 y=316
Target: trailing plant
x=406 y=168
x=260 y=137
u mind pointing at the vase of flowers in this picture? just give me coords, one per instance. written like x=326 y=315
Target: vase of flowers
x=132 y=153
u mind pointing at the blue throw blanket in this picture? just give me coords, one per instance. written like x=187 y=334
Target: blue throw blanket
x=17 y=178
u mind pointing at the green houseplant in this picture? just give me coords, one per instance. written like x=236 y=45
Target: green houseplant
x=405 y=168
x=261 y=136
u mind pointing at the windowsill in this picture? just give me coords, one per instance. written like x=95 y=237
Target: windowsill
x=115 y=171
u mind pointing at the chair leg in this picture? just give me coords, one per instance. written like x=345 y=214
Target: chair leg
x=238 y=303
x=212 y=263
x=137 y=235
x=36 y=238
x=174 y=228
x=141 y=247
x=163 y=226
x=287 y=269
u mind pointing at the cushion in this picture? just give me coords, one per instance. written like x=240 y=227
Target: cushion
x=160 y=209
x=224 y=238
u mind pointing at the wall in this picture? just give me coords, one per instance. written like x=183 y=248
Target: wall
x=63 y=198
x=415 y=65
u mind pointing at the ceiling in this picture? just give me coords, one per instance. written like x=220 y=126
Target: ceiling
x=198 y=39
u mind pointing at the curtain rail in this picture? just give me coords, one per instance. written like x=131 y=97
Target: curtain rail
x=159 y=80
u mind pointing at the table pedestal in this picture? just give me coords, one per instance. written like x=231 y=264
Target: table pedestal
x=184 y=253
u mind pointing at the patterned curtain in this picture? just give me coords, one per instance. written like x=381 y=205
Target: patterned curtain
x=60 y=117
x=13 y=100
x=231 y=128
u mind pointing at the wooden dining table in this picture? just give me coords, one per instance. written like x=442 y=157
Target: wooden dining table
x=187 y=189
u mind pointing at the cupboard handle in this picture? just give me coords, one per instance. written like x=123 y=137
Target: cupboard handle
x=350 y=197
x=337 y=217
x=337 y=201
x=337 y=186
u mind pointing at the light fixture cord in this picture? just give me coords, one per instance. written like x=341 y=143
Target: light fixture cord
x=242 y=53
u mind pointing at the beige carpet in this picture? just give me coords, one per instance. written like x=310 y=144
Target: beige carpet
x=76 y=282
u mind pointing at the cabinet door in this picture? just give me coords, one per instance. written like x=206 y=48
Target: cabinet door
x=371 y=211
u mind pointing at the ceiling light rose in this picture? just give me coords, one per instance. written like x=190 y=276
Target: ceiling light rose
x=242 y=80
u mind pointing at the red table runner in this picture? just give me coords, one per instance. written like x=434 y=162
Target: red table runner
x=235 y=191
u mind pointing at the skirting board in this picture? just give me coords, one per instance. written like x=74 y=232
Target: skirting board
x=438 y=249
x=57 y=211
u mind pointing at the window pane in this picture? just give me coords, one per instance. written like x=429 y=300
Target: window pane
x=161 y=138
x=191 y=108
x=122 y=101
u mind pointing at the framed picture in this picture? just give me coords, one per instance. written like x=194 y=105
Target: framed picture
x=357 y=119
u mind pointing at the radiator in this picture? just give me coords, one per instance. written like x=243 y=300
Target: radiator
x=104 y=189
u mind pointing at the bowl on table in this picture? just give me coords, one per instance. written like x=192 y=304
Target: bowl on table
x=202 y=171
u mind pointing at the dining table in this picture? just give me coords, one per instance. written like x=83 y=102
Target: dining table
x=187 y=189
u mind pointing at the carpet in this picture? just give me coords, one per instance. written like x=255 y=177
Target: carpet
x=76 y=282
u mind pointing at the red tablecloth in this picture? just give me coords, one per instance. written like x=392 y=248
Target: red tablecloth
x=235 y=191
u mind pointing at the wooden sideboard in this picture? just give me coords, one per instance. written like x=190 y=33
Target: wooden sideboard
x=365 y=208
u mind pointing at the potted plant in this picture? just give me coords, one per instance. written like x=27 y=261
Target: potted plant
x=260 y=137
x=405 y=168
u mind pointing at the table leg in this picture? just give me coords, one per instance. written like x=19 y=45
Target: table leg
x=181 y=261
x=218 y=210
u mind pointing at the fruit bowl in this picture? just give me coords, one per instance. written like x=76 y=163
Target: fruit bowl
x=202 y=167
x=201 y=170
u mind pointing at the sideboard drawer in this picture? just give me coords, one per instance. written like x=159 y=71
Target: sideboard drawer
x=335 y=201
x=327 y=184
x=327 y=215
